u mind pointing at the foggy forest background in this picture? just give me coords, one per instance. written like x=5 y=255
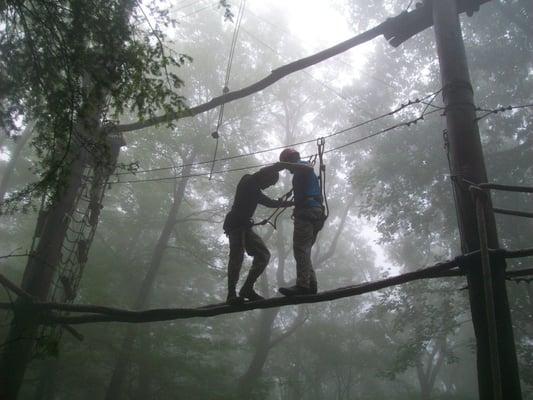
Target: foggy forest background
x=159 y=240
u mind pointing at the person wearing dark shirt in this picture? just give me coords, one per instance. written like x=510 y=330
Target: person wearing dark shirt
x=238 y=227
x=308 y=220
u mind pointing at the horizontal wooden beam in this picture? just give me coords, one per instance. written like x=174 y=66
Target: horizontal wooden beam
x=91 y=313
x=48 y=312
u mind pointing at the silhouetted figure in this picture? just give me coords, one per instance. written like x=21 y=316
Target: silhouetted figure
x=308 y=217
x=238 y=227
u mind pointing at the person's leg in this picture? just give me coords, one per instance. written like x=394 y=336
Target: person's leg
x=307 y=223
x=236 y=256
x=256 y=248
x=302 y=244
x=313 y=284
x=318 y=223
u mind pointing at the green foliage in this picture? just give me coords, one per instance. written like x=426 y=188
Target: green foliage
x=69 y=66
x=228 y=14
x=420 y=317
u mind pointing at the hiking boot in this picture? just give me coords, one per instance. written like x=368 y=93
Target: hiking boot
x=233 y=299
x=295 y=291
x=250 y=294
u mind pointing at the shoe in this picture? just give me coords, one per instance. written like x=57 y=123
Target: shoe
x=250 y=294
x=233 y=299
x=295 y=291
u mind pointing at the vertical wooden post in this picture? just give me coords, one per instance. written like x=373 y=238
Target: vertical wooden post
x=480 y=198
x=466 y=162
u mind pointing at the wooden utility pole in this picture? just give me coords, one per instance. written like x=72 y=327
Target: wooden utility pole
x=467 y=164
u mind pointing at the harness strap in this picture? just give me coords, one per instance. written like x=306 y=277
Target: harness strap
x=321 y=143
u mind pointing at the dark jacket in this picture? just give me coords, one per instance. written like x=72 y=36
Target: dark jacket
x=247 y=196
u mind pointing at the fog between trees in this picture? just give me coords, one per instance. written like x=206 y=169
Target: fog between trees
x=159 y=240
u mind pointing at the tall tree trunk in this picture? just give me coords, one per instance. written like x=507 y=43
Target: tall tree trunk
x=146 y=376
x=425 y=390
x=263 y=332
x=36 y=281
x=42 y=263
x=249 y=379
x=123 y=361
x=45 y=388
x=427 y=374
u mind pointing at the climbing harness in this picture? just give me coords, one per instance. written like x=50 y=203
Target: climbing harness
x=273 y=218
x=312 y=159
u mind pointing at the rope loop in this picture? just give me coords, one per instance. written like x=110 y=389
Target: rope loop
x=277 y=212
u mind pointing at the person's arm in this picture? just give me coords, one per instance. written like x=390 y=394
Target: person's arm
x=285 y=165
x=271 y=203
x=299 y=184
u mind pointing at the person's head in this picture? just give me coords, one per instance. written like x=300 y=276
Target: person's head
x=266 y=177
x=289 y=155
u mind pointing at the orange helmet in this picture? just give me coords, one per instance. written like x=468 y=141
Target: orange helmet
x=289 y=155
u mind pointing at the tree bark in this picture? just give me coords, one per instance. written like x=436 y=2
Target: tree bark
x=45 y=388
x=36 y=281
x=467 y=164
x=146 y=376
x=41 y=265
x=427 y=374
x=263 y=334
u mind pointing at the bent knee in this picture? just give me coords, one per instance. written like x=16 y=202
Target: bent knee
x=263 y=256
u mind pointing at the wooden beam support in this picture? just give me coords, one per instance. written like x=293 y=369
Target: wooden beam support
x=467 y=164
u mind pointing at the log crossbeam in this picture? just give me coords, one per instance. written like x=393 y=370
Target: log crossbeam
x=48 y=312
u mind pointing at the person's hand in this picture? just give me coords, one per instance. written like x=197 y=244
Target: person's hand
x=288 y=204
x=279 y=166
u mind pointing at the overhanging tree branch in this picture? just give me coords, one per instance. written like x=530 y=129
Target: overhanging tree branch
x=396 y=30
x=274 y=76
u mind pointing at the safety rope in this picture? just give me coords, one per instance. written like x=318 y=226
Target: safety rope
x=403 y=106
x=225 y=89
x=277 y=212
x=332 y=149
x=321 y=144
